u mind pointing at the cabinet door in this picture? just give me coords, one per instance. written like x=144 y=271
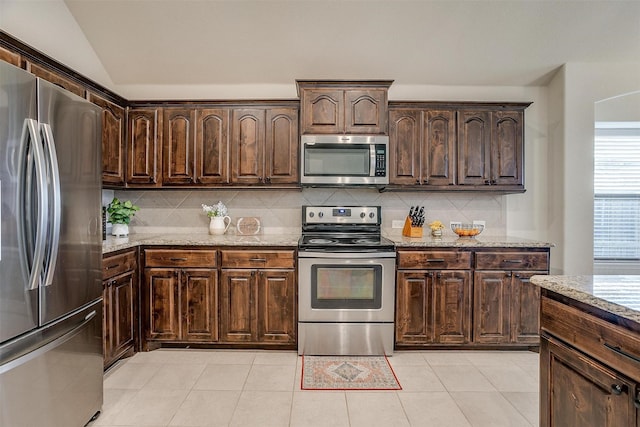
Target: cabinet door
x=365 y=111
x=438 y=148
x=122 y=309
x=113 y=141
x=578 y=391
x=281 y=152
x=161 y=304
x=474 y=153
x=404 y=147
x=237 y=319
x=247 y=146
x=56 y=78
x=525 y=308
x=212 y=146
x=276 y=306
x=452 y=307
x=107 y=316
x=414 y=307
x=178 y=146
x=322 y=111
x=143 y=148
x=491 y=303
x=507 y=148
x=10 y=57
x=199 y=302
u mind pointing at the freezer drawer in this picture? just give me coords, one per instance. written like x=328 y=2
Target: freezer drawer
x=58 y=384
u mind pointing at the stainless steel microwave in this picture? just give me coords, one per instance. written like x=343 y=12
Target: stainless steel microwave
x=344 y=160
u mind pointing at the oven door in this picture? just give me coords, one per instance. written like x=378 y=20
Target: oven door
x=346 y=287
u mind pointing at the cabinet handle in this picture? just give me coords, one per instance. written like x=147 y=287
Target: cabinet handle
x=512 y=261
x=178 y=259
x=487 y=182
x=636 y=402
x=509 y=274
x=438 y=275
x=618 y=389
x=622 y=352
x=493 y=182
x=418 y=182
x=268 y=180
x=109 y=267
x=435 y=260
x=258 y=259
x=425 y=182
x=517 y=276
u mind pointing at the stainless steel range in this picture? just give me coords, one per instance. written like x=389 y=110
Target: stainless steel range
x=346 y=282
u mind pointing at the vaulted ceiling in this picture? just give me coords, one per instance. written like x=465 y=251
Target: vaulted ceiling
x=234 y=42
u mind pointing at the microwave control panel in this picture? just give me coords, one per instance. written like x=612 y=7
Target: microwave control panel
x=381 y=161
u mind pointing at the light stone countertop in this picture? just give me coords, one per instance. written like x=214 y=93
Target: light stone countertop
x=619 y=295
x=113 y=244
x=449 y=241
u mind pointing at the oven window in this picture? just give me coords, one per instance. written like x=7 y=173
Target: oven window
x=337 y=160
x=346 y=286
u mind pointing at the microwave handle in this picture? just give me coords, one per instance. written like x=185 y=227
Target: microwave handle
x=372 y=160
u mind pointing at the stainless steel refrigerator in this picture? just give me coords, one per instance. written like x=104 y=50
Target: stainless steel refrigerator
x=50 y=254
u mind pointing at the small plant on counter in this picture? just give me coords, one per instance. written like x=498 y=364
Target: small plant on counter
x=121 y=212
x=219 y=209
x=436 y=225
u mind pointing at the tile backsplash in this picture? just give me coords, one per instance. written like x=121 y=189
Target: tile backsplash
x=279 y=210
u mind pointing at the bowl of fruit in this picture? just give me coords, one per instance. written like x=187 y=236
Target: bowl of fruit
x=467 y=230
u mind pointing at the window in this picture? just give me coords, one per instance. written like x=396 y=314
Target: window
x=617 y=191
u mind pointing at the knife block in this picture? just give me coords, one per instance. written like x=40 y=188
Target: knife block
x=409 y=231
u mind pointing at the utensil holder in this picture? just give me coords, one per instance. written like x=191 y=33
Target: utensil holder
x=409 y=231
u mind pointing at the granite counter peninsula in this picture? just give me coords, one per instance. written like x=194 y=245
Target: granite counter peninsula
x=589 y=350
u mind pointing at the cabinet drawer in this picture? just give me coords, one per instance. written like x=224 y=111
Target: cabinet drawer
x=258 y=259
x=179 y=258
x=512 y=261
x=604 y=341
x=114 y=265
x=434 y=260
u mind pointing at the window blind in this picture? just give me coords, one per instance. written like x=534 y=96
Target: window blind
x=617 y=191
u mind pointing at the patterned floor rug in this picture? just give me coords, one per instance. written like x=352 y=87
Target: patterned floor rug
x=348 y=373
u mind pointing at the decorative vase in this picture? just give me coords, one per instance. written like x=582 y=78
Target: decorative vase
x=436 y=233
x=120 y=230
x=219 y=224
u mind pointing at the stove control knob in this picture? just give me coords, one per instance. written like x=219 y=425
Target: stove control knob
x=311 y=214
x=362 y=214
x=320 y=214
x=371 y=215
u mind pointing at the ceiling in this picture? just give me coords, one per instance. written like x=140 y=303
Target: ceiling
x=229 y=42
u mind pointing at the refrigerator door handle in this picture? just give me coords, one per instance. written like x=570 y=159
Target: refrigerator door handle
x=35 y=242
x=54 y=200
x=45 y=348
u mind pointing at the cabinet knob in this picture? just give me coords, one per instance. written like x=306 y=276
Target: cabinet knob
x=268 y=180
x=636 y=402
x=418 y=182
x=618 y=389
x=487 y=182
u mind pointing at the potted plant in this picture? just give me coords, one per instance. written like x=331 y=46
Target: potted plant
x=436 y=228
x=120 y=214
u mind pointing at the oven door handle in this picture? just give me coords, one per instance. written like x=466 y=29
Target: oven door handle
x=345 y=255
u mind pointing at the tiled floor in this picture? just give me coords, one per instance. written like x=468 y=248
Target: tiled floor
x=255 y=388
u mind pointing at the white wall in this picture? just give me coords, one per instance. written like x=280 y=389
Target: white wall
x=49 y=27
x=573 y=94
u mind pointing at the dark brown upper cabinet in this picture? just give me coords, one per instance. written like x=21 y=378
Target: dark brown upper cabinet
x=212 y=146
x=11 y=57
x=144 y=148
x=349 y=107
x=264 y=146
x=113 y=142
x=444 y=146
x=178 y=146
x=491 y=148
x=422 y=147
x=55 y=77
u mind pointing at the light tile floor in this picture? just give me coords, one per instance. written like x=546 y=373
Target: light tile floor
x=183 y=388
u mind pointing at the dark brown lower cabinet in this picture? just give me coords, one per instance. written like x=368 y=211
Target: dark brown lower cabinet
x=258 y=305
x=589 y=365
x=119 y=311
x=579 y=391
x=180 y=296
x=433 y=307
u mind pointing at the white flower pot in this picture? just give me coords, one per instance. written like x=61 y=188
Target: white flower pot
x=120 y=230
x=219 y=224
